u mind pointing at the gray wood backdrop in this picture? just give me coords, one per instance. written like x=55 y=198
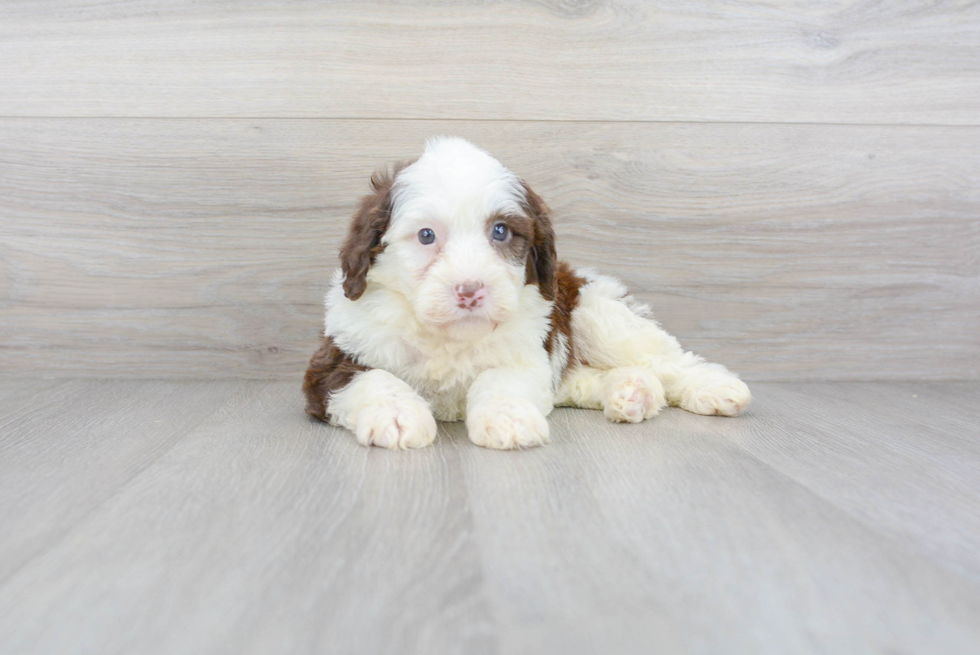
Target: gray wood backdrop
x=794 y=186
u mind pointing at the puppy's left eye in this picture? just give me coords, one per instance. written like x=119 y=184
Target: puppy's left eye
x=500 y=232
x=426 y=236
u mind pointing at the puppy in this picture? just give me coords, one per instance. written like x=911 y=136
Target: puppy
x=451 y=304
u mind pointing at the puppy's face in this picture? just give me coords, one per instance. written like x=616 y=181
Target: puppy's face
x=457 y=235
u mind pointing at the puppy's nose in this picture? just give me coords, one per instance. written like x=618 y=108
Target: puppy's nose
x=470 y=294
x=468 y=288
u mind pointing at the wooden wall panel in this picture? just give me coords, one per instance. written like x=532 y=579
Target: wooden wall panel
x=183 y=248
x=852 y=61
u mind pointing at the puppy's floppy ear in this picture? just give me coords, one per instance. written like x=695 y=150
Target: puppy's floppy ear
x=542 y=261
x=369 y=224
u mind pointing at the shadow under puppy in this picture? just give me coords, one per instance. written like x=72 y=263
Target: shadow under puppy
x=451 y=304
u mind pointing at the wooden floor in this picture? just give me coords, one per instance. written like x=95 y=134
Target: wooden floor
x=214 y=517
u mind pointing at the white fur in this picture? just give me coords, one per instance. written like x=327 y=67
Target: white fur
x=612 y=331
x=489 y=366
x=625 y=394
x=383 y=411
x=452 y=189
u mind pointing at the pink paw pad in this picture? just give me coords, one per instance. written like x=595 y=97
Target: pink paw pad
x=634 y=398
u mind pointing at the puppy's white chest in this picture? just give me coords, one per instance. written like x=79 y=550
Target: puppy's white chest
x=444 y=379
x=381 y=332
x=449 y=405
x=444 y=375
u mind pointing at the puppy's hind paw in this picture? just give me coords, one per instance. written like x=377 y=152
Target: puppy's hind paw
x=507 y=424
x=729 y=397
x=633 y=396
x=395 y=424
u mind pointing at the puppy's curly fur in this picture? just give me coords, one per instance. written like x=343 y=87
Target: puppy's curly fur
x=451 y=304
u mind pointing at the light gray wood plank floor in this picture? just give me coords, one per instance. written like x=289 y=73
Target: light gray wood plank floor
x=214 y=517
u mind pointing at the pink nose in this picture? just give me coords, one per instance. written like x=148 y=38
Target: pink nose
x=470 y=294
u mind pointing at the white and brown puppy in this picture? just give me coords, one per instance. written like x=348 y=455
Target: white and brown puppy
x=450 y=304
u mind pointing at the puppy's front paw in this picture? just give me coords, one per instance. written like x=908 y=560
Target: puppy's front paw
x=726 y=397
x=396 y=423
x=506 y=424
x=632 y=396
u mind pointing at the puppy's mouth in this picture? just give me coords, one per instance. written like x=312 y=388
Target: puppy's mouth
x=469 y=319
x=467 y=323
x=448 y=317
x=476 y=320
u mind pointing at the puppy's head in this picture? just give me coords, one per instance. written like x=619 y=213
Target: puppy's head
x=455 y=233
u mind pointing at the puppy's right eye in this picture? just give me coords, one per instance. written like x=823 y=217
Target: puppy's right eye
x=426 y=236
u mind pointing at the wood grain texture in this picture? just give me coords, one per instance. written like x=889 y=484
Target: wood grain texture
x=802 y=61
x=260 y=531
x=669 y=531
x=182 y=248
x=800 y=527
x=14 y=389
x=112 y=427
x=933 y=466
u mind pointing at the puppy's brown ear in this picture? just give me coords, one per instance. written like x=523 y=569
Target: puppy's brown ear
x=542 y=261
x=369 y=224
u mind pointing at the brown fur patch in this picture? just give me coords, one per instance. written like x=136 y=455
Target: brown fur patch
x=330 y=370
x=542 y=259
x=567 y=286
x=368 y=225
x=518 y=243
